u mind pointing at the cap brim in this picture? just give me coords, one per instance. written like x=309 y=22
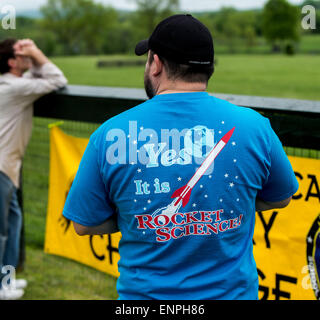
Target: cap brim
x=142 y=47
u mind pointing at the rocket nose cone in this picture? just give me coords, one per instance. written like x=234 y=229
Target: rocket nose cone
x=228 y=135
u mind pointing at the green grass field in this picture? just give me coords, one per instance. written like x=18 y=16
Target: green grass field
x=52 y=277
x=259 y=75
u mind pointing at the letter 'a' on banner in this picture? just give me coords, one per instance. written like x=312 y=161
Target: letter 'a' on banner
x=286 y=242
x=99 y=252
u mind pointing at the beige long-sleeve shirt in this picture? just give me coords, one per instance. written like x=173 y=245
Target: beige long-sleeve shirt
x=17 y=95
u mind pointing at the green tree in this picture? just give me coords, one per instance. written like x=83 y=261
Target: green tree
x=150 y=12
x=245 y=21
x=226 y=28
x=80 y=26
x=119 y=39
x=280 y=23
x=31 y=28
x=250 y=36
x=232 y=29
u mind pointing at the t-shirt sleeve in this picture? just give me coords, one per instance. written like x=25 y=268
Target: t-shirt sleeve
x=88 y=203
x=281 y=182
x=40 y=81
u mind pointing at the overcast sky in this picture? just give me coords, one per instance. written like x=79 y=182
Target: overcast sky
x=186 y=5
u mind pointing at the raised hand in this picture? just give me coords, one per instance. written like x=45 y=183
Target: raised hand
x=27 y=48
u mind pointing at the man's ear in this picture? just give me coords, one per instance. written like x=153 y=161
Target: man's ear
x=12 y=63
x=157 y=66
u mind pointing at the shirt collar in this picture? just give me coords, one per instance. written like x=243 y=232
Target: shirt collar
x=181 y=96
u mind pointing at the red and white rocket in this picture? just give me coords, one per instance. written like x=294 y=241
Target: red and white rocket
x=183 y=193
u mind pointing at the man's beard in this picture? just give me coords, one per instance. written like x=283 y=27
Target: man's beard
x=148 y=86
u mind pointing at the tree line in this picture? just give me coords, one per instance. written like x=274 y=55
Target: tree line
x=89 y=28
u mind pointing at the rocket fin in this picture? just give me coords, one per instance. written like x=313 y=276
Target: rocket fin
x=178 y=192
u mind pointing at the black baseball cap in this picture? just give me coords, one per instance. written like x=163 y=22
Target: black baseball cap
x=182 y=39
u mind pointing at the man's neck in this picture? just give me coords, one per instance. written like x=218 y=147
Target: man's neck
x=181 y=87
x=16 y=72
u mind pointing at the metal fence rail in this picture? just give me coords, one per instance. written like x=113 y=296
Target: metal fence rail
x=297 y=122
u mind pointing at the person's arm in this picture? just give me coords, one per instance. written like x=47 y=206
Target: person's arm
x=88 y=204
x=281 y=184
x=44 y=77
x=264 y=205
x=107 y=227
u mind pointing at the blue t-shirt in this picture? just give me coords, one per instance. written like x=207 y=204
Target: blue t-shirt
x=182 y=172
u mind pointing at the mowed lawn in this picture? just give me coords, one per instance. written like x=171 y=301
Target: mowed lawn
x=52 y=277
x=259 y=75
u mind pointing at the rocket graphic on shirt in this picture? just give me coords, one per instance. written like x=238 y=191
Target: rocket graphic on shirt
x=182 y=195
x=171 y=223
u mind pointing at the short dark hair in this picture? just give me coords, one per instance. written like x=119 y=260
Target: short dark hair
x=6 y=53
x=187 y=73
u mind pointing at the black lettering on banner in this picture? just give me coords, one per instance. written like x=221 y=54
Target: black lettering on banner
x=102 y=257
x=64 y=222
x=315 y=184
x=298 y=196
x=263 y=289
x=111 y=248
x=267 y=226
x=277 y=291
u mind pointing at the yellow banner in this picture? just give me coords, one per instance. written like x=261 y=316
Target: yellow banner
x=286 y=241
x=100 y=252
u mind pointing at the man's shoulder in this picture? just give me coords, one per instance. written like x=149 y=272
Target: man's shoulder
x=240 y=112
x=4 y=78
x=11 y=80
x=242 y=116
x=122 y=118
x=8 y=84
x=236 y=107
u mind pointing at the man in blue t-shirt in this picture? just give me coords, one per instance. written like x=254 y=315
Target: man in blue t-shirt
x=181 y=176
